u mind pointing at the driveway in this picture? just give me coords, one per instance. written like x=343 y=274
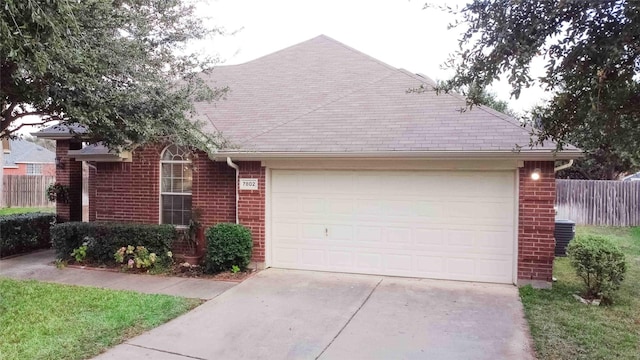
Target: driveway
x=286 y=314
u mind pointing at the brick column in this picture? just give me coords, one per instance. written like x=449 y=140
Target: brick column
x=92 y=193
x=536 y=222
x=69 y=173
x=251 y=207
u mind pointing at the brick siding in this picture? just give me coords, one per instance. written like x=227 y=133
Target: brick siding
x=536 y=218
x=130 y=192
x=69 y=173
x=251 y=207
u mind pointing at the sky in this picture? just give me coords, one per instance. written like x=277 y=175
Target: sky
x=398 y=32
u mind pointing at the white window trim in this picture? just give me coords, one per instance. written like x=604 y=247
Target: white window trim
x=161 y=193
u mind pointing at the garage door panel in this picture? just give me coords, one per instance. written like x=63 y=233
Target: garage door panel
x=312 y=257
x=340 y=259
x=286 y=256
x=312 y=233
x=445 y=225
x=285 y=231
x=367 y=262
x=368 y=234
x=398 y=263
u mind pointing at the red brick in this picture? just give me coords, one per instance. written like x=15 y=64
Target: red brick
x=536 y=242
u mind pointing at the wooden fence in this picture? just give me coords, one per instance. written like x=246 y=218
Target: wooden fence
x=599 y=202
x=27 y=190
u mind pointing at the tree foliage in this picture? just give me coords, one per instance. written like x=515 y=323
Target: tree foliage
x=120 y=68
x=483 y=97
x=592 y=62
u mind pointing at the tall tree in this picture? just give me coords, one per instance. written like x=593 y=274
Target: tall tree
x=117 y=67
x=592 y=65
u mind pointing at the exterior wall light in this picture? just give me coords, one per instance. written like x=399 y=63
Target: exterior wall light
x=535 y=175
x=59 y=163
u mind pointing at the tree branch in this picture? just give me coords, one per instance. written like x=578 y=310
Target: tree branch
x=44 y=121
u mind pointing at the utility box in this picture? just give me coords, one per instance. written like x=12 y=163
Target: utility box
x=564 y=232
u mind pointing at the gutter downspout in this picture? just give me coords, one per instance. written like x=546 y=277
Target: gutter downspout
x=235 y=166
x=561 y=167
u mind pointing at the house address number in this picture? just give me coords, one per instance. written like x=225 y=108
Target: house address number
x=248 y=184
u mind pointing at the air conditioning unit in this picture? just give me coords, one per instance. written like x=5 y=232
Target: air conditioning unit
x=564 y=232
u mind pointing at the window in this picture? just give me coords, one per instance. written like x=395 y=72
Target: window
x=34 y=169
x=176 y=175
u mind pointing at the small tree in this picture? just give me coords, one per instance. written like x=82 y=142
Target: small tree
x=599 y=263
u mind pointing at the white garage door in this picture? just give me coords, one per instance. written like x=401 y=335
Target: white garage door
x=455 y=225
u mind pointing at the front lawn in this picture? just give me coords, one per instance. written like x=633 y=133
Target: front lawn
x=563 y=328
x=50 y=321
x=23 y=210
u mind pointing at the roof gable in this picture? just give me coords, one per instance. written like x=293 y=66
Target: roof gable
x=323 y=96
x=22 y=151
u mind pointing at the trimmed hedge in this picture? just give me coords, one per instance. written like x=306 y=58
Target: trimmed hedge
x=228 y=245
x=599 y=263
x=20 y=233
x=104 y=239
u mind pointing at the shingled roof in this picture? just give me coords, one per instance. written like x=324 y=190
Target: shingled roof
x=22 y=151
x=321 y=96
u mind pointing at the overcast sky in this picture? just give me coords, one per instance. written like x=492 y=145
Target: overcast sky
x=398 y=32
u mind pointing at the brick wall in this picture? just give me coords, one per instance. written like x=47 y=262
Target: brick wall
x=252 y=206
x=21 y=169
x=536 y=220
x=92 y=193
x=129 y=192
x=213 y=190
x=69 y=173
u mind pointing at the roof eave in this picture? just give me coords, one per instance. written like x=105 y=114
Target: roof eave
x=546 y=155
x=123 y=156
x=61 y=136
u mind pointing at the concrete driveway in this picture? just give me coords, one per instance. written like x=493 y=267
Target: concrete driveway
x=286 y=314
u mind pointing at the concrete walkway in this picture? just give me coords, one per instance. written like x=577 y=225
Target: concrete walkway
x=39 y=266
x=287 y=314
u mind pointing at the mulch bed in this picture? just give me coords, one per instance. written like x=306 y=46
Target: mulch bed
x=177 y=269
x=196 y=271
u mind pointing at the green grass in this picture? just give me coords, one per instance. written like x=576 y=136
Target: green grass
x=50 y=321
x=12 y=210
x=563 y=328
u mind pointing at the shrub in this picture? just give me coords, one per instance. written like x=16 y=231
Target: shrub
x=599 y=263
x=138 y=257
x=228 y=245
x=103 y=239
x=25 y=232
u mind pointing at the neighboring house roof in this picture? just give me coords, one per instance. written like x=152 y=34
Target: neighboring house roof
x=632 y=177
x=22 y=151
x=323 y=97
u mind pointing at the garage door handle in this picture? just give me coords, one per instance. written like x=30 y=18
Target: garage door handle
x=326 y=232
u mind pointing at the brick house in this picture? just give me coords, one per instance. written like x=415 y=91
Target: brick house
x=22 y=157
x=335 y=166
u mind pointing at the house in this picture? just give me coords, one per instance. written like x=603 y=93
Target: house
x=632 y=177
x=23 y=157
x=335 y=166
